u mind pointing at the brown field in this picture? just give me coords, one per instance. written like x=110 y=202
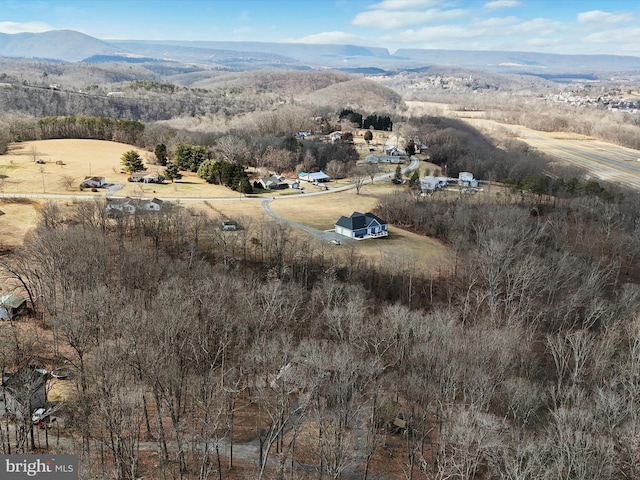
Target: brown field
x=18 y=217
x=100 y=158
x=322 y=211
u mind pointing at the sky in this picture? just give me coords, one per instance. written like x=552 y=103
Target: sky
x=560 y=26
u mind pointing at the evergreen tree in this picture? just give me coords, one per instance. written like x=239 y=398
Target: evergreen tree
x=161 y=154
x=397 y=177
x=132 y=162
x=172 y=172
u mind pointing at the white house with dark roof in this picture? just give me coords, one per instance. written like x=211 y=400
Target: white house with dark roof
x=93 y=182
x=361 y=226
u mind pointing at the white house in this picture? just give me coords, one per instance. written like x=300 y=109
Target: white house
x=146 y=177
x=153 y=205
x=92 y=182
x=372 y=158
x=465 y=179
x=430 y=184
x=131 y=205
x=361 y=226
x=123 y=205
x=314 y=177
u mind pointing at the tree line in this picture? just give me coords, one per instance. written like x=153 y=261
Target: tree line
x=516 y=359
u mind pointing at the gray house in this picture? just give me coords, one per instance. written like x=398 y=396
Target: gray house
x=274 y=182
x=361 y=226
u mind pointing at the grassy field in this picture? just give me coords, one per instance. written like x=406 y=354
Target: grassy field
x=22 y=175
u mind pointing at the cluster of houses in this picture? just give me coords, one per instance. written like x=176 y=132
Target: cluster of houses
x=130 y=205
x=430 y=184
x=278 y=182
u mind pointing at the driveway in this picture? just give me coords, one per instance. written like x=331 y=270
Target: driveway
x=326 y=235
x=330 y=235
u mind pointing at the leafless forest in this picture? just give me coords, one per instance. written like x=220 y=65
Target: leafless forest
x=198 y=353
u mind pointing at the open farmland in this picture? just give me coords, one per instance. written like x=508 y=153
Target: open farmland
x=24 y=177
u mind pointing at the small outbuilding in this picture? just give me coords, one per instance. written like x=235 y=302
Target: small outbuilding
x=361 y=226
x=11 y=305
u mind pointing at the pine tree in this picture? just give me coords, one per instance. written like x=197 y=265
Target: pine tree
x=132 y=162
x=172 y=172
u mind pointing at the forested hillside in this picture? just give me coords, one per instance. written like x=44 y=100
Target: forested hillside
x=520 y=360
x=264 y=353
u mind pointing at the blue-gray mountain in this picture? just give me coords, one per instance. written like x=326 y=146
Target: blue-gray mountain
x=71 y=46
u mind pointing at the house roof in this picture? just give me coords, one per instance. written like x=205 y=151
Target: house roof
x=12 y=300
x=317 y=175
x=272 y=179
x=359 y=220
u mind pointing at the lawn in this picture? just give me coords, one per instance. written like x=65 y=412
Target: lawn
x=75 y=159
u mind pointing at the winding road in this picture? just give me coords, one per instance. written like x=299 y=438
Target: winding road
x=330 y=235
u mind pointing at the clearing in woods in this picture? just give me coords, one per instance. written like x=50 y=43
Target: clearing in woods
x=74 y=159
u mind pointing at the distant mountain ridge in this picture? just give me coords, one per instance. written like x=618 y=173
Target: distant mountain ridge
x=72 y=46
x=64 y=45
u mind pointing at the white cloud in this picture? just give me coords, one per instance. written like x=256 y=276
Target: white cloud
x=25 y=27
x=538 y=26
x=439 y=35
x=496 y=22
x=618 y=35
x=394 y=5
x=502 y=4
x=338 y=38
x=604 y=18
x=398 y=19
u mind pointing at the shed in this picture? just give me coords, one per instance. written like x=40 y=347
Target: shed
x=11 y=305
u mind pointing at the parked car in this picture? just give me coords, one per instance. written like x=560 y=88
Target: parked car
x=229 y=225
